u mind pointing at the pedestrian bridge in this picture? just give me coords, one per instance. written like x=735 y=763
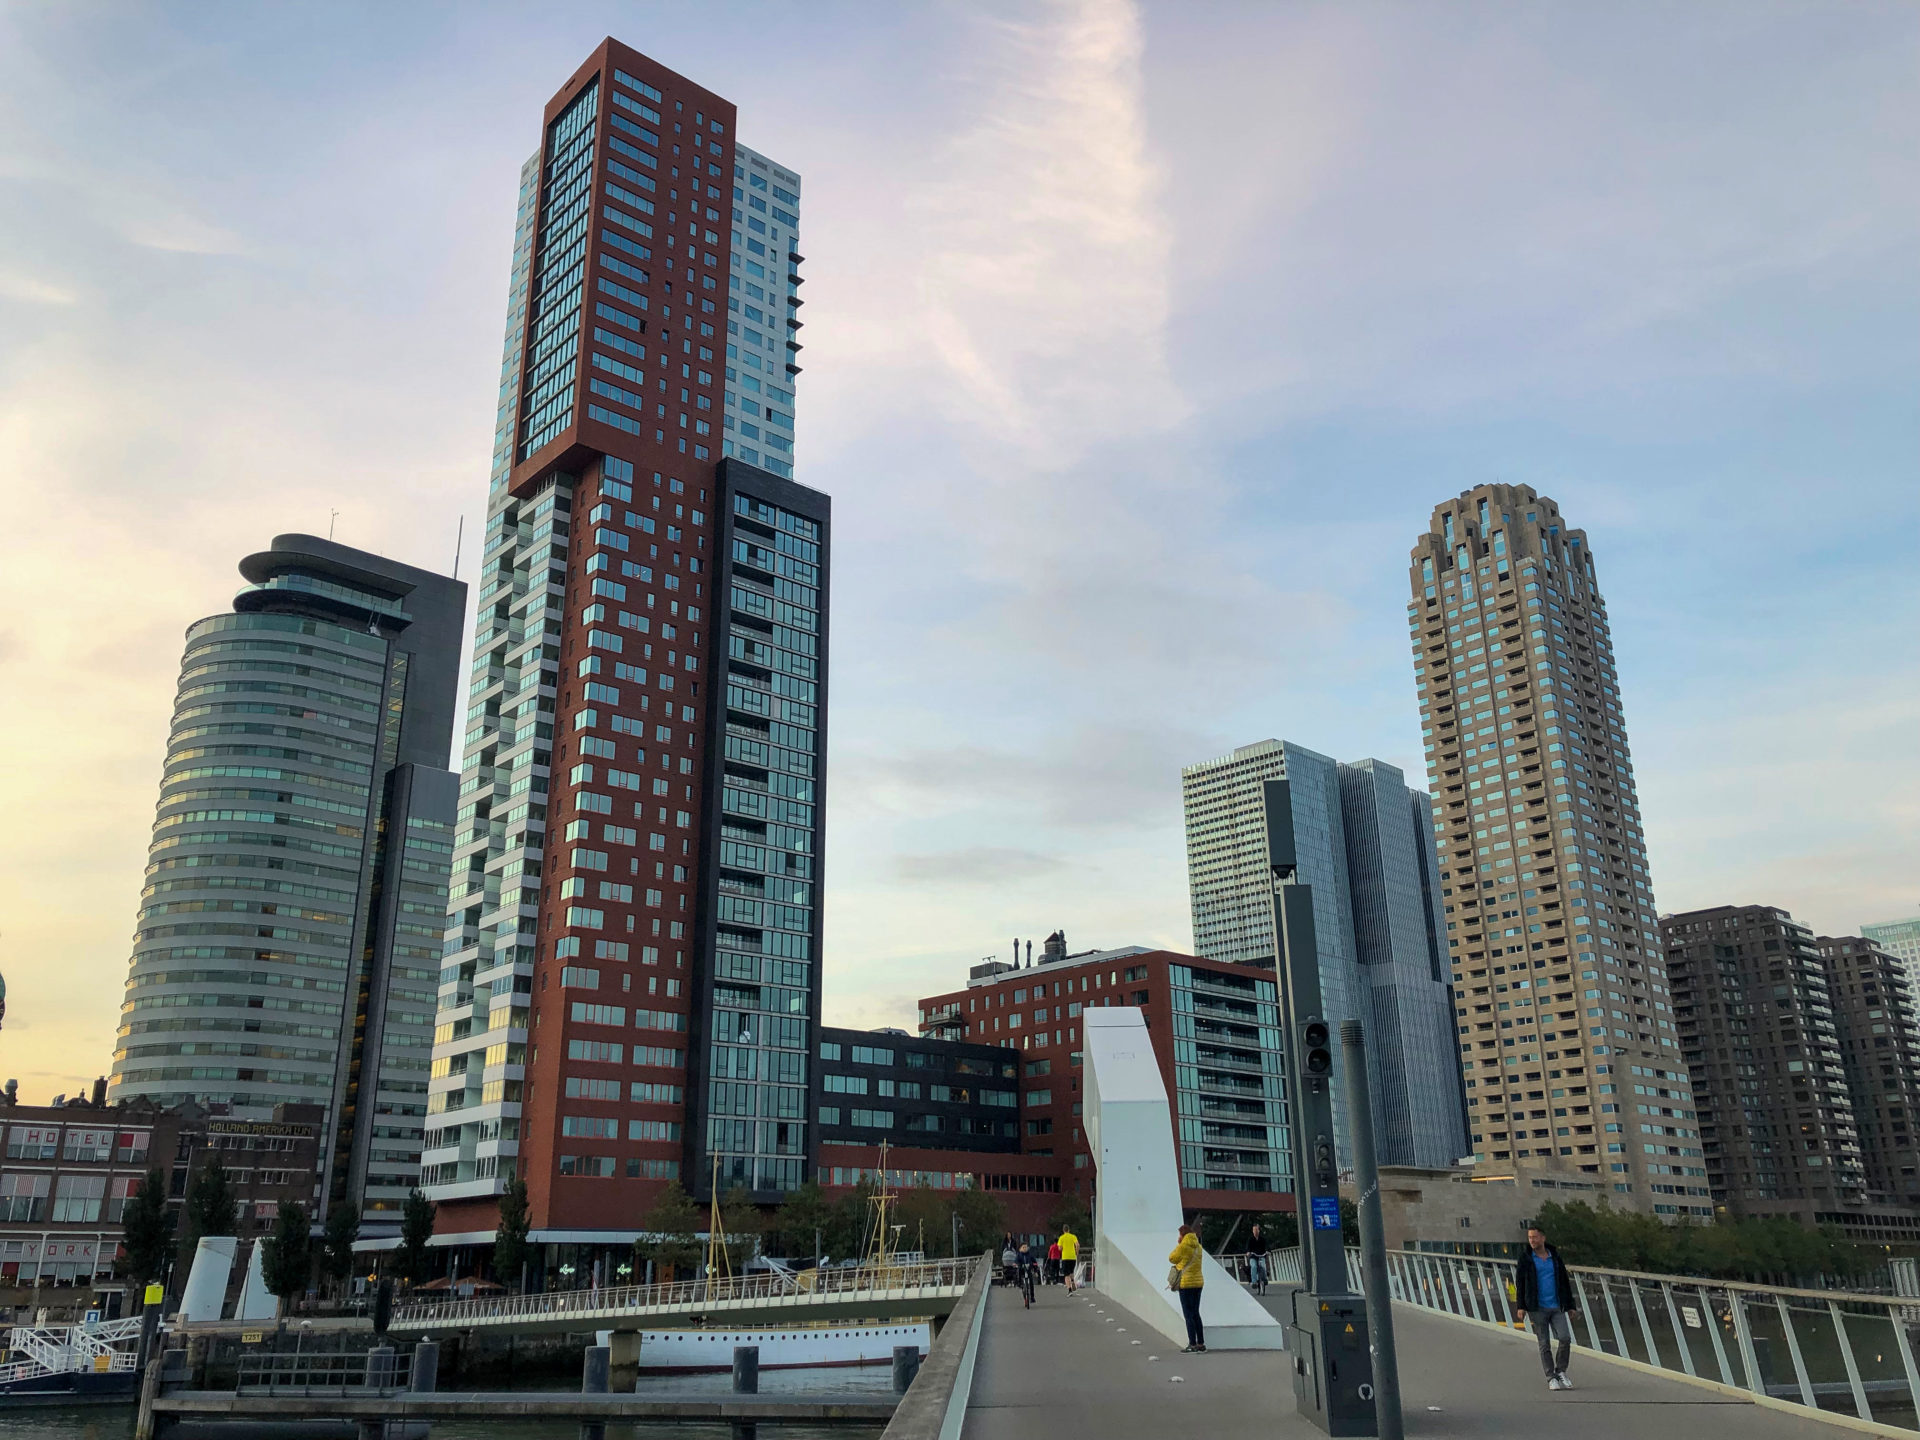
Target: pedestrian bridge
x=780 y=1297
x=1720 y=1360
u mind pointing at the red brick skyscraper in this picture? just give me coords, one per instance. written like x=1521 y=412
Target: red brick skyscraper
x=1567 y=1041
x=631 y=959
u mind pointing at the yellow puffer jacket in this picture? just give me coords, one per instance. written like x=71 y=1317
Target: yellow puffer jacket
x=1187 y=1256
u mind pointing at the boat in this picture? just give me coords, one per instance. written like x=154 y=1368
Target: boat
x=687 y=1352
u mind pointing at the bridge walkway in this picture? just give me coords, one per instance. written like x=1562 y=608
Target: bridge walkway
x=1069 y=1367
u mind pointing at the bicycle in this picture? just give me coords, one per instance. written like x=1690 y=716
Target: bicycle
x=1026 y=1285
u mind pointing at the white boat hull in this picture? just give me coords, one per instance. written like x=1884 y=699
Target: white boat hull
x=689 y=1351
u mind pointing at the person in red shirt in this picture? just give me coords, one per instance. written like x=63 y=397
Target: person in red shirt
x=1053 y=1263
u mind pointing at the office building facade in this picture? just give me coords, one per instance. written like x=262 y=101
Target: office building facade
x=1216 y=1034
x=287 y=950
x=1561 y=999
x=636 y=880
x=916 y=1092
x=1363 y=841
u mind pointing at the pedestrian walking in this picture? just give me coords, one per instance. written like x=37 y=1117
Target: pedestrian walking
x=1185 y=1279
x=1069 y=1258
x=1542 y=1289
x=1010 y=1261
x=1053 y=1263
x=1257 y=1260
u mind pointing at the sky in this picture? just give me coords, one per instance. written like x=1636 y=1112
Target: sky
x=1141 y=340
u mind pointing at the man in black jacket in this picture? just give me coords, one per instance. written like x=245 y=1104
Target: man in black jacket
x=1542 y=1288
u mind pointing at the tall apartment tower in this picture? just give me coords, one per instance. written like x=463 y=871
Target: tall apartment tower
x=1900 y=939
x=1561 y=998
x=288 y=946
x=1879 y=1030
x=1757 y=1025
x=1364 y=843
x=632 y=960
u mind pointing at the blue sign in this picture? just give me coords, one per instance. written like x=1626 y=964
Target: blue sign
x=1326 y=1212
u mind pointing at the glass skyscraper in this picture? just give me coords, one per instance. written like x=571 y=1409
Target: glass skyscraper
x=1363 y=843
x=288 y=940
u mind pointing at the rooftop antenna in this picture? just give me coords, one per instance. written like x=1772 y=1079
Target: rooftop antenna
x=458 y=536
x=332 y=515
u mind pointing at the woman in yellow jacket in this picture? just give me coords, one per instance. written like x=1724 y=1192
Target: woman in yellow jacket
x=1186 y=1280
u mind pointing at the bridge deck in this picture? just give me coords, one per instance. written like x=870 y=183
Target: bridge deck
x=1069 y=1367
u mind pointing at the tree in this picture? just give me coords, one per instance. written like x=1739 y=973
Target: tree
x=670 y=1230
x=336 y=1245
x=286 y=1261
x=801 y=1216
x=212 y=1208
x=416 y=1228
x=510 y=1247
x=1071 y=1213
x=149 y=1229
x=740 y=1218
x=983 y=1220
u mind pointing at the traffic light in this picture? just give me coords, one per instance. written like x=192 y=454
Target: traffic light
x=1316 y=1051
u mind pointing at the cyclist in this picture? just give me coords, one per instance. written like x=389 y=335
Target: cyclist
x=1029 y=1273
x=1257 y=1261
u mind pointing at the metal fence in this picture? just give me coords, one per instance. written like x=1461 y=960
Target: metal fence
x=1850 y=1354
x=800 y=1288
x=314 y=1372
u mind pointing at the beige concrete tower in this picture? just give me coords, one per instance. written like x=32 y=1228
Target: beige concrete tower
x=1568 y=1049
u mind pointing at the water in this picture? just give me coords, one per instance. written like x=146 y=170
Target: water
x=115 y=1422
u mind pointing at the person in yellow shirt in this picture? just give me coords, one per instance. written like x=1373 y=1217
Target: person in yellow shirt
x=1069 y=1257
x=1186 y=1281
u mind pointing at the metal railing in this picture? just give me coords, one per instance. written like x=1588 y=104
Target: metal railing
x=800 y=1289
x=1828 y=1350
x=321 y=1372
x=59 y=1349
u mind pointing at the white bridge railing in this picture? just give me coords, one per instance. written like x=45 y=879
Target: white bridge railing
x=1828 y=1350
x=800 y=1289
x=57 y=1349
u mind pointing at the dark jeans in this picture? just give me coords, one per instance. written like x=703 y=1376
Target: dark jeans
x=1190 y=1308
x=1549 y=1326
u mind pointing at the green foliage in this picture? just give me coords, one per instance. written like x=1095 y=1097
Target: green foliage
x=671 y=1231
x=791 y=1228
x=1349 y=1222
x=1775 y=1250
x=847 y=1223
x=336 y=1244
x=740 y=1218
x=510 y=1247
x=149 y=1229
x=416 y=1228
x=212 y=1208
x=1071 y=1213
x=1281 y=1232
x=286 y=1263
x=983 y=1220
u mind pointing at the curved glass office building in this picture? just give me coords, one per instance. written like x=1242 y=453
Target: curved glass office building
x=287 y=945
